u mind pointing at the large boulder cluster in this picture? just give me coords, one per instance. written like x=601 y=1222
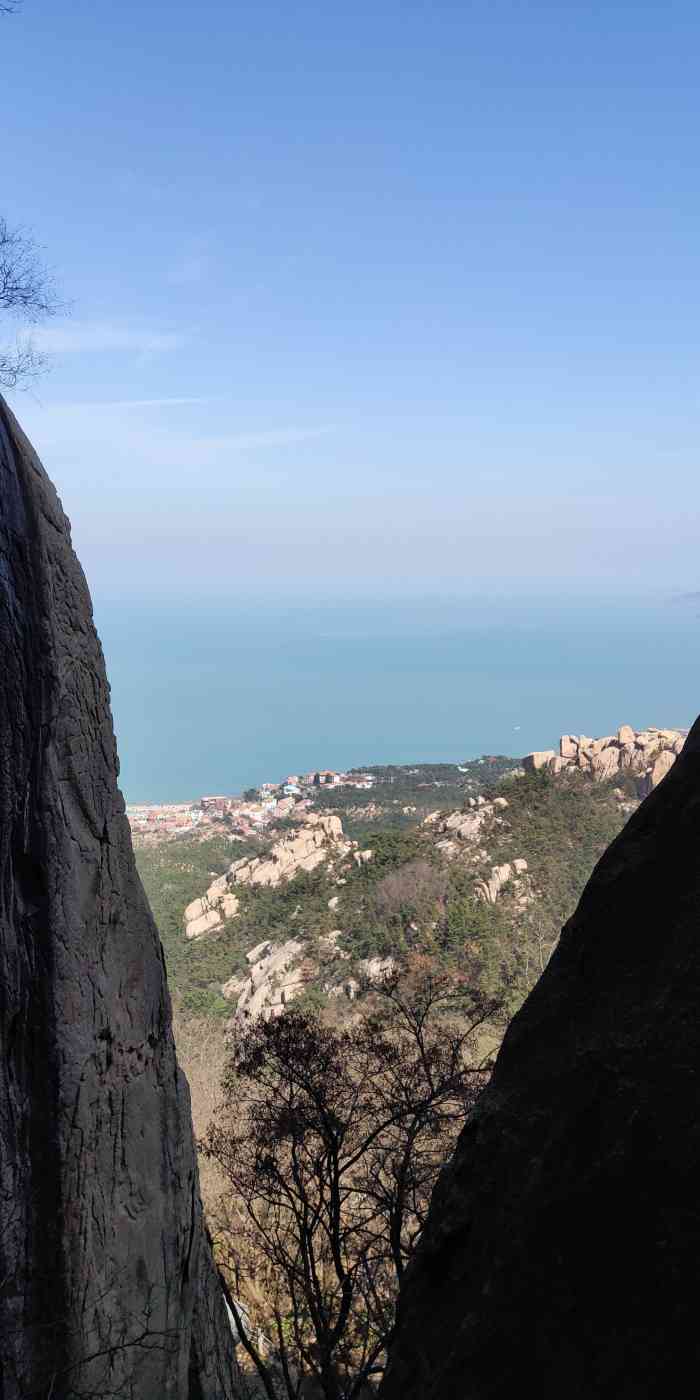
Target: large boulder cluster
x=460 y=835
x=275 y=976
x=466 y=825
x=646 y=755
x=278 y=973
x=319 y=839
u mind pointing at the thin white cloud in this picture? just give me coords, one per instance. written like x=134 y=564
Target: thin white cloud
x=105 y=405
x=142 y=440
x=276 y=437
x=95 y=337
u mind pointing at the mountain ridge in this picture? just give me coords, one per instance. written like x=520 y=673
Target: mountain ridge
x=491 y=882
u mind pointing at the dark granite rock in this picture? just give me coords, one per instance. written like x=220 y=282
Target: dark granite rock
x=563 y=1248
x=107 y=1286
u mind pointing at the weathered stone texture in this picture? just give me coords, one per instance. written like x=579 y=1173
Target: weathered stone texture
x=107 y=1282
x=563 y=1247
x=647 y=755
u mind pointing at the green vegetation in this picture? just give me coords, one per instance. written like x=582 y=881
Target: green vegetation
x=562 y=828
x=410 y=897
x=173 y=874
x=421 y=787
x=296 y=909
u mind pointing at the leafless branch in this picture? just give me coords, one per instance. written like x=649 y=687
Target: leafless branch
x=331 y=1145
x=27 y=291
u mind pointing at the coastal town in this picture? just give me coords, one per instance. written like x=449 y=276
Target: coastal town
x=243 y=816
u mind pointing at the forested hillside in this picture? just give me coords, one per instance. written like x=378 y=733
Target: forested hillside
x=484 y=889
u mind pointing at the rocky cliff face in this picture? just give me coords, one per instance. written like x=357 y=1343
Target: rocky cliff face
x=561 y=1255
x=108 y=1287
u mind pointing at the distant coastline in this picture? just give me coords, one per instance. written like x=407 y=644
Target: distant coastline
x=214 y=700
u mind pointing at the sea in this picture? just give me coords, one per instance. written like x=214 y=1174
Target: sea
x=212 y=697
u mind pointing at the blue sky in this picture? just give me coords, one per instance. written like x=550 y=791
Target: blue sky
x=378 y=299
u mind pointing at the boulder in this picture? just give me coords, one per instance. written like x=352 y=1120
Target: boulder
x=626 y=734
x=376 y=969
x=488 y=890
x=598 y=745
x=605 y=763
x=568 y=746
x=108 y=1285
x=662 y=765
x=465 y=825
x=632 y=759
x=275 y=978
x=533 y=762
x=560 y=1256
x=212 y=910
x=206 y=922
x=319 y=839
x=260 y=951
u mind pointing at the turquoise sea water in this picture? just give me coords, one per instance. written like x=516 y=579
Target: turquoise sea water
x=215 y=698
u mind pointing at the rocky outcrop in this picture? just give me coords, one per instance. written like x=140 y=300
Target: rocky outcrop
x=212 y=910
x=279 y=972
x=540 y=759
x=108 y=1287
x=319 y=839
x=275 y=978
x=489 y=889
x=462 y=830
x=561 y=1253
x=646 y=755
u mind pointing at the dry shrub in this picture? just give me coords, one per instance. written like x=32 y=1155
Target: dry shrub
x=411 y=892
x=201 y=1051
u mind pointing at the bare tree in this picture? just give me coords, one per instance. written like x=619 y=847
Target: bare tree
x=331 y=1142
x=26 y=291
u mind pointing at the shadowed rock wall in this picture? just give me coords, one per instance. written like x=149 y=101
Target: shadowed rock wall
x=106 y=1282
x=562 y=1253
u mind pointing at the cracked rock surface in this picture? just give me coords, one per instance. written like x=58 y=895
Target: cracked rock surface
x=107 y=1286
x=562 y=1251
